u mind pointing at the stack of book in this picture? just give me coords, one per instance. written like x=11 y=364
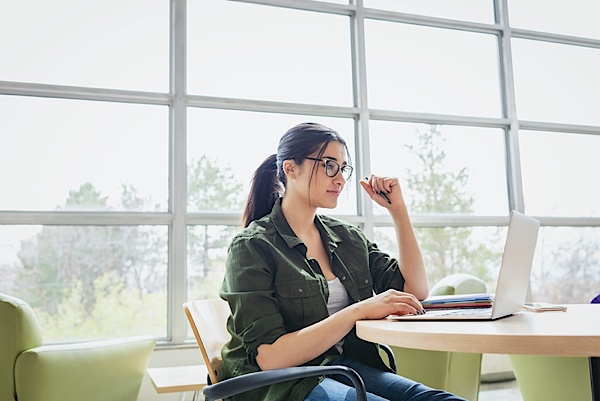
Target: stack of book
x=458 y=301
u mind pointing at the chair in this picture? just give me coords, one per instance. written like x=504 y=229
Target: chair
x=459 y=283
x=455 y=372
x=208 y=319
x=551 y=378
x=108 y=370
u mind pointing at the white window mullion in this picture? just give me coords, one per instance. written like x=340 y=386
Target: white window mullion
x=359 y=77
x=177 y=286
x=515 y=184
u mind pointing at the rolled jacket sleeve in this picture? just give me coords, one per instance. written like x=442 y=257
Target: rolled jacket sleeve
x=384 y=269
x=249 y=280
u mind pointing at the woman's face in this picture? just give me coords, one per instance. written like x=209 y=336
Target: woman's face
x=323 y=190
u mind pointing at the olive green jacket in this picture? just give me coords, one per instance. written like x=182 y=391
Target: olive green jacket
x=273 y=288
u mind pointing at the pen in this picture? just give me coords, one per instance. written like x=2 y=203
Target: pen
x=384 y=196
x=381 y=193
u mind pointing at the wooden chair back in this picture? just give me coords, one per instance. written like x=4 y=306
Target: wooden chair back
x=208 y=319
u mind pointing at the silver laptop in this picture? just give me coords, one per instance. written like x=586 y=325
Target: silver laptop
x=513 y=279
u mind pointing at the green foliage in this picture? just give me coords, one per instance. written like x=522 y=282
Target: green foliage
x=208 y=286
x=213 y=187
x=89 y=282
x=116 y=312
x=437 y=189
x=570 y=273
x=449 y=250
x=86 y=197
x=60 y=258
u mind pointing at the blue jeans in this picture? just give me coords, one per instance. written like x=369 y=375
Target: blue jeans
x=380 y=385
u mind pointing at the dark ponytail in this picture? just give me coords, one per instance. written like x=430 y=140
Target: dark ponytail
x=265 y=189
x=268 y=182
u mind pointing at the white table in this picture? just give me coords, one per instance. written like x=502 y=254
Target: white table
x=575 y=332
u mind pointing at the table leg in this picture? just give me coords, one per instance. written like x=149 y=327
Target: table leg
x=595 y=377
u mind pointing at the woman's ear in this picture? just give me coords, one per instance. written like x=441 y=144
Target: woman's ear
x=290 y=168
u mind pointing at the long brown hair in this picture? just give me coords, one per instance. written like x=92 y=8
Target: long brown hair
x=268 y=181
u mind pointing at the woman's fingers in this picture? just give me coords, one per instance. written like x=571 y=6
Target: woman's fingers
x=407 y=303
x=394 y=302
x=383 y=184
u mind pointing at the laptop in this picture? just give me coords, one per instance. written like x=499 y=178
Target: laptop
x=513 y=279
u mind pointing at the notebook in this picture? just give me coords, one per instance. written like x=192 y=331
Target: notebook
x=513 y=278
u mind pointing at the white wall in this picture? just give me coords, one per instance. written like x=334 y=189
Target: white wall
x=496 y=368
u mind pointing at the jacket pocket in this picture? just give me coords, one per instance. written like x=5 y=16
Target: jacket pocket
x=364 y=283
x=301 y=302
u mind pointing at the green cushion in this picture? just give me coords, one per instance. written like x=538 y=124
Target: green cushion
x=458 y=283
x=19 y=331
x=456 y=372
x=552 y=378
x=93 y=371
x=108 y=370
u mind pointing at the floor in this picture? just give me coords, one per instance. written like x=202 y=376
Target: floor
x=500 y=391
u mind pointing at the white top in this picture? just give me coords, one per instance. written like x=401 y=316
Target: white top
x=338 y=300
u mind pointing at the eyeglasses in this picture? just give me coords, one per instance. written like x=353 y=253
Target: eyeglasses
x=332 y=168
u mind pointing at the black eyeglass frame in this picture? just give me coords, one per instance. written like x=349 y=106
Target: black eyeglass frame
x=346 y=169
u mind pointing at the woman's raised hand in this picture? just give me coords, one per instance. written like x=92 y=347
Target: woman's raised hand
x=385 y=191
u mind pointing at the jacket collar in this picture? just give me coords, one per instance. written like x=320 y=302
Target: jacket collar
x=283 y=228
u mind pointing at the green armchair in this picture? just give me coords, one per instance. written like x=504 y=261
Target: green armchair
x=456 y=372
x=552 y=378
x=107 y=370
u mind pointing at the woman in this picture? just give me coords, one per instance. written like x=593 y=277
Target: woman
x=297 y=282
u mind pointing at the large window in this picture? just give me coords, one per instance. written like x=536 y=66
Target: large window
x=432 y=70
x=54 y=148
x=269 y=53
x=130 y=132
